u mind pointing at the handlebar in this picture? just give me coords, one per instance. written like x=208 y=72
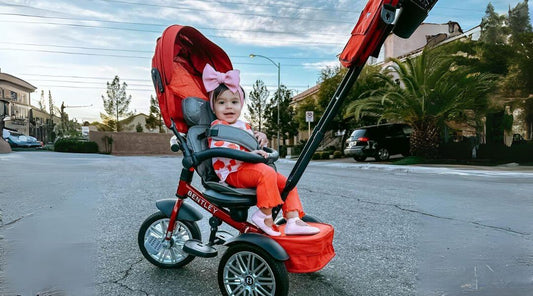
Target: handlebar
x=196 y=158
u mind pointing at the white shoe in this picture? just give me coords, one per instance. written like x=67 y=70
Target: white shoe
x=259 y=219
x=295 y=226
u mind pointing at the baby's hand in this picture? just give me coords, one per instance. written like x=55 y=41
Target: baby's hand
x=261 y=152
x=261 y=139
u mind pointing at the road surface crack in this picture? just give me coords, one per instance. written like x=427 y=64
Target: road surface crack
x=124 y=276
x=500 y=228
x=14 y=221
x=505 y=229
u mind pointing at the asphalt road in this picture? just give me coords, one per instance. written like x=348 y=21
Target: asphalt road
x=69 y=225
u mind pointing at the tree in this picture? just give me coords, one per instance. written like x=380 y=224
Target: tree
x=51 y=106
x=154 y=119
x=432 y=90
x=257 y=102
x=42 y=102
x=492 y=29
x=330 y=80
x=51 y=109
x=287 y=127
x=139 y=127
x=519 y=21
x=117 y=103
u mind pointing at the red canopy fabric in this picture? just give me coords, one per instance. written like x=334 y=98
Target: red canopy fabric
x=181 y=54
x=368 y=34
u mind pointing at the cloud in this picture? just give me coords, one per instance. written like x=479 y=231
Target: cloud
x=321 y=65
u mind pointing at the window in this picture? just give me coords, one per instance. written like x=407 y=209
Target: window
x=13 y=95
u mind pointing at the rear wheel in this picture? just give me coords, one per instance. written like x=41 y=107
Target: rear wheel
x=359 y=158
x=383 y=154
x=163 y=253
x=248 y=270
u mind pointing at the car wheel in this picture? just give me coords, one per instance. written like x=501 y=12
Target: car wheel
x=359 y=158
x=383 y=154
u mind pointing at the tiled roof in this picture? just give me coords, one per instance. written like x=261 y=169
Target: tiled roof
x=306 y=93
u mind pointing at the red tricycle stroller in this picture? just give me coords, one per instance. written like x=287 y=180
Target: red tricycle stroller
x=253 y=263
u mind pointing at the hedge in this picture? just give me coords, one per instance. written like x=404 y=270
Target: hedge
x=72 y=145
x=500 y=152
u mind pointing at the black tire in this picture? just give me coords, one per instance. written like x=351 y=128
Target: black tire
x=154 y=228
x=359 y=158
x=383 y=154
x=244 y=263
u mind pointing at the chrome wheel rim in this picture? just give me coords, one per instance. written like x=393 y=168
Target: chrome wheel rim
x=172 y=251
x=383 y=153
x=247 y=273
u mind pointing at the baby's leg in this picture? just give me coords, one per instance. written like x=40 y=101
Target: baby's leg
x=261 y=177
x=292 y=207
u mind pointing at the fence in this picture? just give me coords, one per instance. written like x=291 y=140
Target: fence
x=131 y=143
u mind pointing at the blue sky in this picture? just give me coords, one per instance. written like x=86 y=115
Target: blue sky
x=72 y=48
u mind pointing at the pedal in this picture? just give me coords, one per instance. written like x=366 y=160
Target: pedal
x=222 y=237
x=198 y=248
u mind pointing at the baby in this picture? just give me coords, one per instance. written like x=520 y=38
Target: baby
x=227 y=99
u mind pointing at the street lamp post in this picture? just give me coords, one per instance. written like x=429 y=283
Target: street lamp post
x=279 y=67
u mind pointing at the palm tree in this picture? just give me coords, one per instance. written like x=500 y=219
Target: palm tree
x=429 y=89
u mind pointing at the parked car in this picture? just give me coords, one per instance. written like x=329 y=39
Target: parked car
x=378 y=141
x=18 y=140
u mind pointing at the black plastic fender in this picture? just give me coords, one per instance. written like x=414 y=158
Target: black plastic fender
x=264 y=242
x=186 y=212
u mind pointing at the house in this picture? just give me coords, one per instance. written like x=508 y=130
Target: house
x=130 y=124
x=15 y=95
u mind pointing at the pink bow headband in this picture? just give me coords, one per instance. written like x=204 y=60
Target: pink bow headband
x=212 y=79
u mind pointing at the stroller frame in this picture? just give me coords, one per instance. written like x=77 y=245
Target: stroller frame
x=254 y=262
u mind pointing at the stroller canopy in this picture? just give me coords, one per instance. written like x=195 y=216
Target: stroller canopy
x=180 y=56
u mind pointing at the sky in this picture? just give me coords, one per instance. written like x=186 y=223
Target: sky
x=73 y=48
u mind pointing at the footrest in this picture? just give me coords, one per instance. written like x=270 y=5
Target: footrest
x=223 y=236
x=198 y=248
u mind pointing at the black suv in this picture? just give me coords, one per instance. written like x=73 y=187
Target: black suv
x=378 y=141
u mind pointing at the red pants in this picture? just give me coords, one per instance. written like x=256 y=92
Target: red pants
x=268 y=184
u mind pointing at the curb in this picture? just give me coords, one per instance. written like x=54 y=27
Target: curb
x=512 y=171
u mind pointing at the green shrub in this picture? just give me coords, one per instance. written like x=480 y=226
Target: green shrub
x=317 y=155
x=330 y=149
x=72 y=145
x=325 y=154
x=337 y=154
x=502 y=153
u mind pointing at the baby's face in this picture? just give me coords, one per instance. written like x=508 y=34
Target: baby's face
x=228 y=106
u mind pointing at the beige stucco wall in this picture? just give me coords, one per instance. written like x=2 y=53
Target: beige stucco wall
x=133 y=143
x=395 y=46
x=17 y=92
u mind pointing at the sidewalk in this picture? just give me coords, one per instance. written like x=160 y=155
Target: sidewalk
x=511 y=169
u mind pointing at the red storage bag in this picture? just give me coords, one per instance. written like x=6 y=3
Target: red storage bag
x=307 y=253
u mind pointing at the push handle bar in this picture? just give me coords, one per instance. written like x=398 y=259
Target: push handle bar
x=197 y=157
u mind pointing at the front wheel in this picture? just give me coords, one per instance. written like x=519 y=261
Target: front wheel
x=248 y=270
x=383 y=154
x=163 y=253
